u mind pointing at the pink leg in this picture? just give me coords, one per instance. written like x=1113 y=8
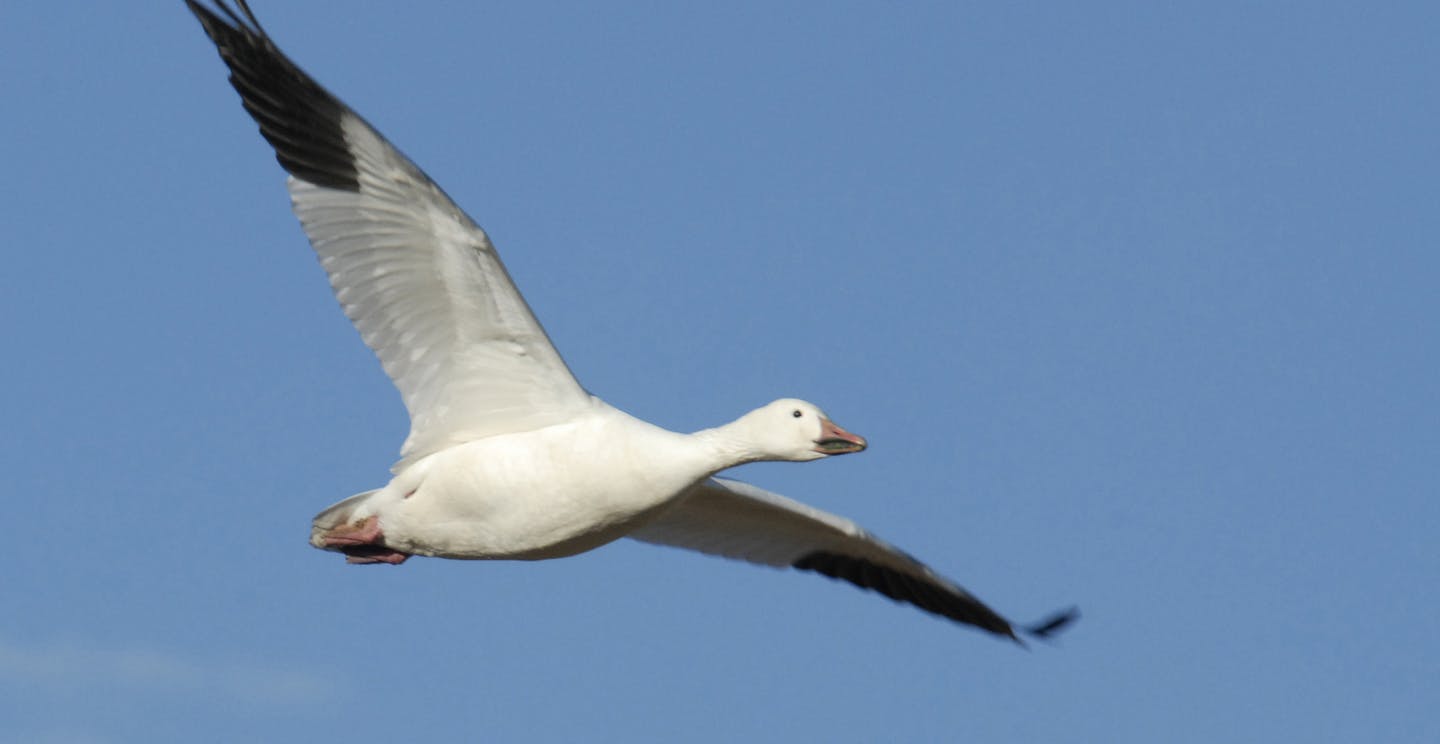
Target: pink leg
x=363 y=542
x=374 y=554
x=364 y=532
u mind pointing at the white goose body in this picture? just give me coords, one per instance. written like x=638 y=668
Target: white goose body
x=549 y=493
x=508 y=456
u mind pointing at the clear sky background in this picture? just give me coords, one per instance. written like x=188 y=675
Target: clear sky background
x=1138 y=304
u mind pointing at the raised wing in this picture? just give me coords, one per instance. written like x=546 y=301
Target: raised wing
x=737 y=520
x=418 y=278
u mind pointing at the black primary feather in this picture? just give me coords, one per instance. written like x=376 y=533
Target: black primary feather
x=300 y=119
x=944 y=599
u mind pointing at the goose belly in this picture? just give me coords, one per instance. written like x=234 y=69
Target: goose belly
x=527 y=498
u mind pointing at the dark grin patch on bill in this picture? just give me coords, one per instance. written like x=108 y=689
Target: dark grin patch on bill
x=836 y=444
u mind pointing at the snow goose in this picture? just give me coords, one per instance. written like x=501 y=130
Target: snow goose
x=508 y=457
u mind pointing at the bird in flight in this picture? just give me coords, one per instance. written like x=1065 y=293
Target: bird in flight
x=508 y=457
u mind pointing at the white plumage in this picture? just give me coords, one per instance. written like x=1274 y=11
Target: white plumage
x=508 y=457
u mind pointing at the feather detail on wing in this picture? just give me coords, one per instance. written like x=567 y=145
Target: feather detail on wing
x=418 y=278
x=736 y=520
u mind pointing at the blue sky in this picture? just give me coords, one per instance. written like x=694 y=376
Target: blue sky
x=1136 y=302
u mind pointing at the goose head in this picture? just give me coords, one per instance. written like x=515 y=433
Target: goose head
x=795 y=431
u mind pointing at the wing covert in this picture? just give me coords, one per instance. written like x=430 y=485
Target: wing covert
x=418 y=278
x=737 y=520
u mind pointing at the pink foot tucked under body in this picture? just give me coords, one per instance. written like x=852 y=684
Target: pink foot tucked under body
x=361 y=554
x=363 y=542
x=364 y=532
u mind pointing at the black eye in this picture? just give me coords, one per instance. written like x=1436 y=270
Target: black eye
x=796 y=413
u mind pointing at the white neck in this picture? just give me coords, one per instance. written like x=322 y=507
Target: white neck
x=727 y=446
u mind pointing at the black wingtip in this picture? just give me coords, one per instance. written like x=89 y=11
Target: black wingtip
x=945 y=600
x=302 y=121
x=1053 y=625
